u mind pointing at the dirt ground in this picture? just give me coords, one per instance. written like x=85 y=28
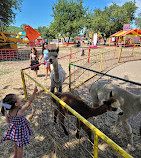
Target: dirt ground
x=40 y=114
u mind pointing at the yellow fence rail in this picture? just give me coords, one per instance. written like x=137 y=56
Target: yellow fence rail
x=97 y=132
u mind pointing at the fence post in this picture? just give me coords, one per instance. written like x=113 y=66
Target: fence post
x=69 y=77
x=133 y=49
x=70 y=54
x=89 y=55
x=70 y=51
x=101 y=62
x=115 y=51
x=95 y=145
x=120 y=53
x=24 y=85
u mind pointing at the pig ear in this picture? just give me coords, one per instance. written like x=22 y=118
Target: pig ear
x=111 y=95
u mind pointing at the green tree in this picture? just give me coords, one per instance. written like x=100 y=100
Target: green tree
x=7 y=10
x=41 y=29
x=13 y=29
x=46 y=34
x=22 y=27
x=138 y=21
x=69 y=17
x=112 y=18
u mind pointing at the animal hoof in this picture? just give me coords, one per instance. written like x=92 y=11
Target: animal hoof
x=78 y=136
x=130 y=147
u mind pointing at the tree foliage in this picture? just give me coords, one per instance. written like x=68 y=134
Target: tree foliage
x=138 y=20
x=46 y=34
x=7 y=8
x=44 y=30
x=22 y=27
x=15 y=29
x=112 y=18
x=69 y=17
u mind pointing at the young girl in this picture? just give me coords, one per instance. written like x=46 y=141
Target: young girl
x=19 y=129
x=34 y=60
x=45 y=55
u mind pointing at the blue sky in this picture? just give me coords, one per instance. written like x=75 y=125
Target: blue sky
x=38 y=12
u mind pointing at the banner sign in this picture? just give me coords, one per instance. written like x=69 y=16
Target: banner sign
x=126 y=27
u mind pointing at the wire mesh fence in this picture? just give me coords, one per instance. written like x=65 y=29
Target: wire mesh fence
x=107 y=121
x=16 y=54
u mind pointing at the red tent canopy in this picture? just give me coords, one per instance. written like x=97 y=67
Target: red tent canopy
x=130 y=32
x=31 y=33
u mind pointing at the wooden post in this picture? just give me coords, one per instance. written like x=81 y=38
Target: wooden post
x=120 y=53
x=115 y=51
x=101 y=62
x=133 y=49
x=70 y=54
x=89 y=55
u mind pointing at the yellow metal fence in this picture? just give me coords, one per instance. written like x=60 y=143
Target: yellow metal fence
x=97 y=132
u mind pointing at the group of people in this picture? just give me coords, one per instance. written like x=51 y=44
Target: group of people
x=19 y=130
x=35 y=59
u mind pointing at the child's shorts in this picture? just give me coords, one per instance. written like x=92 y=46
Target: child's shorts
x=46 y=64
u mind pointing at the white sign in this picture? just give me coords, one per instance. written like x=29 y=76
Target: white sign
x=95 y=39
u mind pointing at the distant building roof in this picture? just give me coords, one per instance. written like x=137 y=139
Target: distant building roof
x=124 y=33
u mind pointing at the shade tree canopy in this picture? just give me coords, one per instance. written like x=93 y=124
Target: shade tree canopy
x=69 y=17
x=7 y=10
x=112 y=18
x=138 y=20
x=46 y=33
